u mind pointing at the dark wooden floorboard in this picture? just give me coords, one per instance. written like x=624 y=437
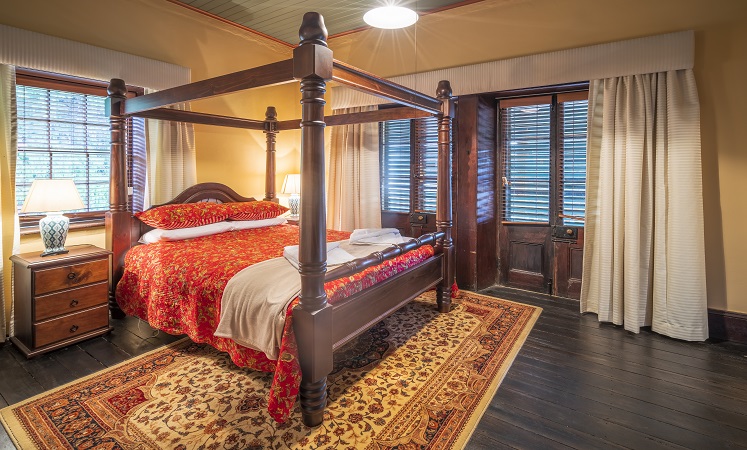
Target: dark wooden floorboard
x=576 y=383
x=104 y=352
x=494 y=429
x=46 y=370
x=15 y=383
x=662 y=405
x=576 y=378
x=78 y=361
x=5 y=442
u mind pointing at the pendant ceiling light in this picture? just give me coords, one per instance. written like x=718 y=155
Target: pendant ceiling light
x=390 y=17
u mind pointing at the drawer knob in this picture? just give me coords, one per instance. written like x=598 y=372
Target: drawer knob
x=71 y=275
x=73 y=303
x=74 y=328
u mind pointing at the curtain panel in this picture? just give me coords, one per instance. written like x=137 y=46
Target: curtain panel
x=9 y=229
x=353 y=186
x=171 y=158
x=644 y=254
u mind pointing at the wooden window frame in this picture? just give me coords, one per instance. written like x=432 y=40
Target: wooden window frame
x=29 y=224
x=523 y=97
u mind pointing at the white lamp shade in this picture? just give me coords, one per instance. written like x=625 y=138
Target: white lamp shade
x=390 y=17
x=292 y=184
x=52 y=195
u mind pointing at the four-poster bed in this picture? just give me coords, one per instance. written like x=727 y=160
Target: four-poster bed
x=319 y=326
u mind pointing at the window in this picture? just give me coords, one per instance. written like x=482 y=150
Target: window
x=63 y=132
x=543 y=158
x=409 y=165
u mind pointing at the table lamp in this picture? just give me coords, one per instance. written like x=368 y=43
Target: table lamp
x=292 y=186
x=52 y=197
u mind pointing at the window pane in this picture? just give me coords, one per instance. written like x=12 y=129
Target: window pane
x=395 y=165
x=573 y=156
x=526 y=163
x=63 y=135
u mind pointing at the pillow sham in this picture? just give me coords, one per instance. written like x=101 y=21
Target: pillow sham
x=254 y=210
x=187 y=215
x=180 y=234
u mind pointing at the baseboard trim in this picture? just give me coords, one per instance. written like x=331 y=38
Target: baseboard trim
x=727 y=326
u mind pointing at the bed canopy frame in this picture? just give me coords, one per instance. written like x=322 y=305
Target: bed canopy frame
x=320 y=328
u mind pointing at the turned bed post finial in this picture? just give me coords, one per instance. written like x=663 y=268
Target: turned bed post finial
x=117 y=219
x=444 y=208
x=271 y=130
x=312 y=318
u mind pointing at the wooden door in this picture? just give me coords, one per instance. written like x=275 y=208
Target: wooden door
x=568 y=249
x=524 y=256
x=542 y=156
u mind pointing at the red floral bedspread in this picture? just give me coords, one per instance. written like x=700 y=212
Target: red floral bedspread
x=177 y=287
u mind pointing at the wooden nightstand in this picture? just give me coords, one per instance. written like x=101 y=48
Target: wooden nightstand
x=292 y=221
x=61 y=299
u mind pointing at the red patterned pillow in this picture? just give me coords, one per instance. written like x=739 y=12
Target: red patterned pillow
x=171 y=217
x=254 y=210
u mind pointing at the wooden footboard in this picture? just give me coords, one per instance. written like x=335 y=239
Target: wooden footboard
x=357 y=313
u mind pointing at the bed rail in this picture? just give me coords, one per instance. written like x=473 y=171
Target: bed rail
x=380 y=115
x=202 y=118
x=363 y=81
x=375 y=258
x=267 y=75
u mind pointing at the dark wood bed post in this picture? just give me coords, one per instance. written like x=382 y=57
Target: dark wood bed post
x=271 y=130
x=312 y=318
x=443 y=210
x=117 y=219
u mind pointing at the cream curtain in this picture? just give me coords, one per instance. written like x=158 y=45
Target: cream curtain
x=644 y=257
x=171 y=159
x=9 y=223
x=353 y=186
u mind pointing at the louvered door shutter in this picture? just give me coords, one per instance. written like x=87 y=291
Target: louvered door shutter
x=395 y=165
x=572 y=122
x=525 y=159
x=425 y=167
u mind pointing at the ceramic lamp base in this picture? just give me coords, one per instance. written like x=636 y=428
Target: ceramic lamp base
x=294 y=201
x=53 y=228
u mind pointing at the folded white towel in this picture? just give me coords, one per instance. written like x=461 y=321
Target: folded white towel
x=335 y=255
x=376 y=236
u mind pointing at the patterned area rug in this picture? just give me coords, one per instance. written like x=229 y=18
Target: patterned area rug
x=419 y=379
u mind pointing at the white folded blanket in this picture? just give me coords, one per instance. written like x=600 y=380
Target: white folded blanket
x=255 y=299
x=376 y=236
x=335 y=255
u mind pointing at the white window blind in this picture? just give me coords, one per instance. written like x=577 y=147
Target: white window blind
x=395 y=165
x=543 y=158
x=525 y=155
x=63 y=135
x=409 y=145
x=573 y=125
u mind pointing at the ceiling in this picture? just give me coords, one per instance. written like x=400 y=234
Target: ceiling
x=280 y=19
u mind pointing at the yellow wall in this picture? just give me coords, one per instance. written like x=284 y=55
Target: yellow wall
x=488 y=30
x=160 y=30
x=499 y=29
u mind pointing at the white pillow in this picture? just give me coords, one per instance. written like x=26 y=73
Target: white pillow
x=179 y=234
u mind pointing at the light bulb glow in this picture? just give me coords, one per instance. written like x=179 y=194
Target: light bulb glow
x=390 y=17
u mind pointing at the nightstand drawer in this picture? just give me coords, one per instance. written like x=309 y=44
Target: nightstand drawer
x=70 y=325
x=71 y=276
x=46 y=306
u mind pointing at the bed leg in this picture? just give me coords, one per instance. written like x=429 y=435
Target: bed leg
x=443 y=298
x=313 y=401
x=114 y=309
